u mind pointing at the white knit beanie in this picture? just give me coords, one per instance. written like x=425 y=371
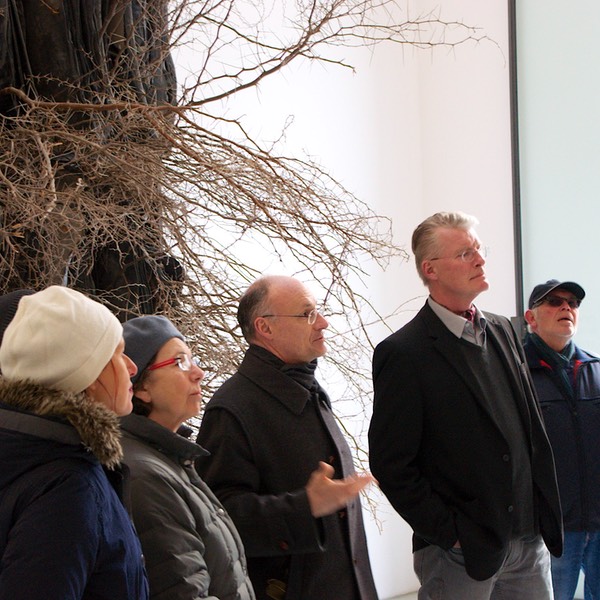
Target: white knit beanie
x=60 y=339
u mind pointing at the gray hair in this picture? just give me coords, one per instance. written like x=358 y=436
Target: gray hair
x=424 y=238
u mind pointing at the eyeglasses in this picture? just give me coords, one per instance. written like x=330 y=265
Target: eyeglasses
x=468 y=255
x=310 y=316
x=183 y=361
x=557 y=301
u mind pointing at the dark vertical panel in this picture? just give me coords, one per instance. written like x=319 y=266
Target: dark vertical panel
x=516 y=173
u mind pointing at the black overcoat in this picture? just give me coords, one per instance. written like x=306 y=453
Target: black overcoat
x=438 y=453
x=266 y=438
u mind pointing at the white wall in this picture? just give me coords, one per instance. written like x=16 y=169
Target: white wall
x=411 y=133
x=444 y=145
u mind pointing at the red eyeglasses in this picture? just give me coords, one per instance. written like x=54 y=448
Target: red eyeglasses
x=183 y=361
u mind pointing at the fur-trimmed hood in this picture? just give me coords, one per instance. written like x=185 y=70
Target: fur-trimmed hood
x=96 y=426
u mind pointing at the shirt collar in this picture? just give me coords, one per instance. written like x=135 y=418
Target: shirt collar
x=455 y=323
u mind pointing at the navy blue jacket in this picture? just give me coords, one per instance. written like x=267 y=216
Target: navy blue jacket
x=64 y=532
x=573 y=426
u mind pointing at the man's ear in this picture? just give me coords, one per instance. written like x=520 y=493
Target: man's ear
x=262 y=327
x=428 y=269
x=530 y=318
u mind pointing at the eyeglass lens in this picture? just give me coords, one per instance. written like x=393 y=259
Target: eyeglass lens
x=469 y=254
x=185 y=363
x=556 y=301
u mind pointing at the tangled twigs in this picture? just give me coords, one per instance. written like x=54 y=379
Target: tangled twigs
x=111 y=183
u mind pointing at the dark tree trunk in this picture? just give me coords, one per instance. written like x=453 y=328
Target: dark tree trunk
x=91 y=52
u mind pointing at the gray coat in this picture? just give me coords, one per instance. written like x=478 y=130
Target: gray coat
x=266 y=436
x=191 y=546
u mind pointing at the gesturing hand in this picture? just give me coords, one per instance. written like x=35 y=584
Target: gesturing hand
x=326 y=495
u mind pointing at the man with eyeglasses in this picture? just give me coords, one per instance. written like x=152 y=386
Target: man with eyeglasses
x=279 y=462
x=456 y=439
x=567 y=381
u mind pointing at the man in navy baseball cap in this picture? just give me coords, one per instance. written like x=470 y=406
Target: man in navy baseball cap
x=567 y=381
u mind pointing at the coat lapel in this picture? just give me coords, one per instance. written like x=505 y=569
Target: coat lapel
x=495 y=333
x=515 y=367
x=446 y=346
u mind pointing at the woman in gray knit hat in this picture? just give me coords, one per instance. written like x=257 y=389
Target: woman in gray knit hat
x=191 y=546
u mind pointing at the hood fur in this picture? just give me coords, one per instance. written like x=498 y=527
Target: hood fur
x=97 y=426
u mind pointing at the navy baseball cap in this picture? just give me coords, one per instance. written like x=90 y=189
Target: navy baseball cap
x=541 y=290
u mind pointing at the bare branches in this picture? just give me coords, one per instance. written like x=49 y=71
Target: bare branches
x=109 y=184
x=244 y=42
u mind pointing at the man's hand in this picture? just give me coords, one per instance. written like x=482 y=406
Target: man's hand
x=326 y=495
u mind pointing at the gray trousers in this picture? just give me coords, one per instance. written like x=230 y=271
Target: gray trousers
x=525 y=574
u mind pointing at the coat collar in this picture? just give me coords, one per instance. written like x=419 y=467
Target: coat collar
x=64 y=417
x=533 y=356
x=162 y=439
x=263 y=369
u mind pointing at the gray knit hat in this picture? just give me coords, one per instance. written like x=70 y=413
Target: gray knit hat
x=59 y=338
x=144 y=337
x=8 y=308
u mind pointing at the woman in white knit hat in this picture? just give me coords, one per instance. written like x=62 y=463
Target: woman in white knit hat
x=64 y=533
